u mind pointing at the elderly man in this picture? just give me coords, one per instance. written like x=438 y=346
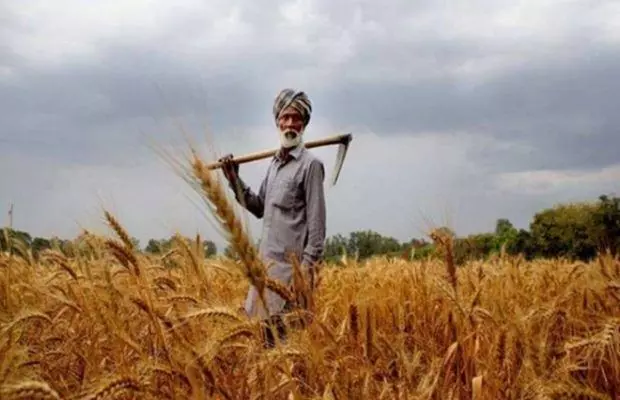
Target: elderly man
x=291 y=203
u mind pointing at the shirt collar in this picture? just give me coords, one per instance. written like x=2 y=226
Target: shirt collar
x=294 y=153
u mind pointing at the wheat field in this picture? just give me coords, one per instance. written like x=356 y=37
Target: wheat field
x=110 y=322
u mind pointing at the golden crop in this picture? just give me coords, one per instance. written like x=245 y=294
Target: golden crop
x=111 y=322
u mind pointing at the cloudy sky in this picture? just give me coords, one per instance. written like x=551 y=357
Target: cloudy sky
x=461 y=113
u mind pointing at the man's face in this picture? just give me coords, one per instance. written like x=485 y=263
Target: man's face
x=290 y=120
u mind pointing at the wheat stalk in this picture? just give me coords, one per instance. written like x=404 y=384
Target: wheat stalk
x=254 y=269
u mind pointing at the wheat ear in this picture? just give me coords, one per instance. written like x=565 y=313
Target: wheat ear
x=254 y=270
x=116 y=389
x=119 y=230
x=29 y=390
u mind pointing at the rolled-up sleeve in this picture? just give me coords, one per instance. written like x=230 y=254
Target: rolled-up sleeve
x=315 y=213
x=254 y=203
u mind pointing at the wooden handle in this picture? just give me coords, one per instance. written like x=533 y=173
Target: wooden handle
x=339 y=139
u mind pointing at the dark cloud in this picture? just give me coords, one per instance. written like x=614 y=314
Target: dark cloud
x=563 y=112
x=87 y=111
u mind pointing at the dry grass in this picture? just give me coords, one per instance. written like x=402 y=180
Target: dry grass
x=113 y=323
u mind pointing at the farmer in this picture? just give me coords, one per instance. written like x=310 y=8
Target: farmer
x=291 y=203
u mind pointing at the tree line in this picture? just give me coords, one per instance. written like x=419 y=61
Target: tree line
x=577 y=231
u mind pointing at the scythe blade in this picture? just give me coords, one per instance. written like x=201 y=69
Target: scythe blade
x=343 y=147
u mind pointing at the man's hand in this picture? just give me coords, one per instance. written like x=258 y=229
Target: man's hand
x=229 y=168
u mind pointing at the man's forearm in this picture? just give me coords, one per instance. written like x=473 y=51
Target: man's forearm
x=247 y=198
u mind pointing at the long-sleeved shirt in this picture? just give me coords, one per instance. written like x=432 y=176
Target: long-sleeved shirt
x=291 y=202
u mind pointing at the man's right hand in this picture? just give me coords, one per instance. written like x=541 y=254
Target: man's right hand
x=229 y=168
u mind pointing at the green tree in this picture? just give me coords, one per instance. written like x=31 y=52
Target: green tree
x=38 y=245
x=158 y=246
x=505 y=235
x=10 y=237
x=210 y=248
x=522 y=244
x=415 y=248
x=503 y=226
x=475 y=246
x=606 y=224
x=369 y=243
x=565 y=231
x=335 y=246
x=15 y=242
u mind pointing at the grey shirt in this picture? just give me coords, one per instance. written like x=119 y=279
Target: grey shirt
x=291 y=202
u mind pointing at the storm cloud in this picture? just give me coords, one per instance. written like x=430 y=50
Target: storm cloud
x=463 y=113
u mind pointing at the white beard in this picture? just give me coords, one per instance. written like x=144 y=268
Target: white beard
x=287 y=141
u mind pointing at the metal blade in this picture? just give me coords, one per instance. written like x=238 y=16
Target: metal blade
x=342 y=153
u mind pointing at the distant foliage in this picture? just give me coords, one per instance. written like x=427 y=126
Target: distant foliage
x=363 y=244
x=161 y=246
x=576 y=231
